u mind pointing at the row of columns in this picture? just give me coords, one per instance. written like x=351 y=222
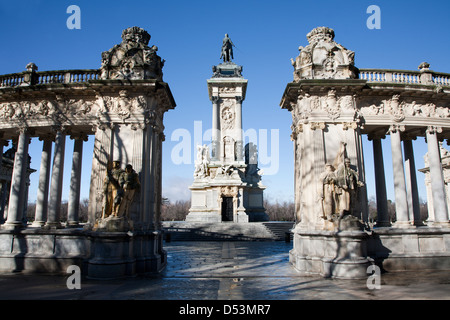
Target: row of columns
x=49 y=195
x=405 y=181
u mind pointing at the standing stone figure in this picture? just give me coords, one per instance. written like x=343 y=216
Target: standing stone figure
x=113 y=190
x=201 y=164
x=347 y=183
x=328 y=192
x=130 y=187
x=227 y=49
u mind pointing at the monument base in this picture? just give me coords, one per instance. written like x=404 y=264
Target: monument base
x=100 y=255
x=330 y=254
x=407 y=249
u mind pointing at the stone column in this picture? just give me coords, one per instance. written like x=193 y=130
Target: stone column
x=138 y=165
x=44 y=179
x=54 y=205
x=75 y=182
x=215 y=129
x=437 y=179
x=401 y=200
x=238 y=127
x=2 y=183
x=103 y=142
x=18 y=182
x=380 y=183
x=318 y=165
x=147 y=216
x=411 y=182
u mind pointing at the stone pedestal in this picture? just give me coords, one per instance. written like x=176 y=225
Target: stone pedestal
x=341 y=255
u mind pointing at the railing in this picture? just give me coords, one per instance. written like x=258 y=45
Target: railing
x=407 y=77
x=47 y=77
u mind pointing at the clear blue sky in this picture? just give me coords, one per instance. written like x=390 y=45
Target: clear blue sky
x=189 y=35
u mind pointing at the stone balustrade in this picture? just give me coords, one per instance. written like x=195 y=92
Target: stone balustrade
x=405 y=76
x=48 y=77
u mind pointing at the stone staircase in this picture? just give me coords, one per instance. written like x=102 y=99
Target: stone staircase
x=226 y=231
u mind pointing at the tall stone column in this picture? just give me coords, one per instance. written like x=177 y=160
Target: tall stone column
x=75 y=182
x=3 y=184
x=138 y=165
x=149 y=181
x=44 y=179
x=411 y=182
x=380 y=184
x=215 y=129
x=239 y=143
x=401 y=200
x=18 y=182
x=56 y=185
x=437 y=179
x=103 y=141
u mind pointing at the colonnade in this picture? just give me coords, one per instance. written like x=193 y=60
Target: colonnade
x=405 y=180
x=49 y=194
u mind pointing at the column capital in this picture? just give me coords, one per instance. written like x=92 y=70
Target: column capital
x=296 y=129
x=408 y=137
x=44 y=137
x=396 y=128
x=79 y=136
x=433 y=130
x=59 y=128
x=215 y=99
x=25 y=129
x=376 y=135
x=349 y=125
x=137 y=126
x=239 y=99
x=317 y=125
x=99 y=125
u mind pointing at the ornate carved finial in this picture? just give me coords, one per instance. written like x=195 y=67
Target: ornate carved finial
x=323 y=58
x=136 y=35
x=320 y=33
x=31 y=67
x=133 y=58
x=424 y=66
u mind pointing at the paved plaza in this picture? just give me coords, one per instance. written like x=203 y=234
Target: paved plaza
x=228 y=271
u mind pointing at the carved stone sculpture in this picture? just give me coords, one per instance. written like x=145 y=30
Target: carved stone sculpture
x=113 y=190
x=130 y=187
x=347 y=182
x=201 y=164
x=328 y=195
x=323 y=58
x=133 y=58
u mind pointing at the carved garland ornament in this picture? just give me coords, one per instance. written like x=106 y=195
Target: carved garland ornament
x=398 y=110
x=332 y=104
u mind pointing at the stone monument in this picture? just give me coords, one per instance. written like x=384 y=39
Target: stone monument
x=227 y=181
x=121 y=106
x=333 y=104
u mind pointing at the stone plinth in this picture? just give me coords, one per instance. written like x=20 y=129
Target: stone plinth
x=421 y=248
x=100 y=255
x=331 y=254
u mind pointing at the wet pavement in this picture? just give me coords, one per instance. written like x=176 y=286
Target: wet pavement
x=228 y=271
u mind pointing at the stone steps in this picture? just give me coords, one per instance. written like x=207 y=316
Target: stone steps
x=225 y=231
